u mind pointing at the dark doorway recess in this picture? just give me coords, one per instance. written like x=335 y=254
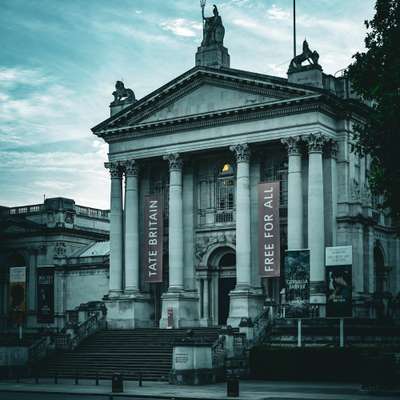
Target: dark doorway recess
x=225 y=285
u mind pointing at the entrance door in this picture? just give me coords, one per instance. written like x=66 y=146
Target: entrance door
x=225 y=285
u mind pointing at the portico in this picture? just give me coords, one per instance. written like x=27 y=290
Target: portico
x=204 y=142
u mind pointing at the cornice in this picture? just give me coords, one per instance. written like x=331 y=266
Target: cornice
x=200 y=74
x=217 y=118
x=262 y=89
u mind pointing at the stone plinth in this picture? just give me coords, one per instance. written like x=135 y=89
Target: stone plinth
x=244 y=304
x=129 y=311
x=192 y=365
x=310 y=75
x=216 y=56
x=184 y=308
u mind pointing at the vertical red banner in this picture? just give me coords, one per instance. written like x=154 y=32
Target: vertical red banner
x=153 y=239
x=17 y=293
x=269 y=232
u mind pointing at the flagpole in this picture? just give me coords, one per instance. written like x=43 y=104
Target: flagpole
x=294 y=28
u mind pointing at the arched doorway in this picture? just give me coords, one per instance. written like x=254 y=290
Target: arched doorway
x=222 y=265
x=226 y=283
x=379 y=268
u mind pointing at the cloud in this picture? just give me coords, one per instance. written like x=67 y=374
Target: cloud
x=278 y=13
x=21 y=76
x=182 y=27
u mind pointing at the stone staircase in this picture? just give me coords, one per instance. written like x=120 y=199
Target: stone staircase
x=325 y=332
x=130 y=352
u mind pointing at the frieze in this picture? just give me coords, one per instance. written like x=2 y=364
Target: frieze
x=241 y=151
x=263 y=111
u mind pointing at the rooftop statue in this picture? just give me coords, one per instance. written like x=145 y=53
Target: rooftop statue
x=213 y=30
x=307 y=55
x=122 y=94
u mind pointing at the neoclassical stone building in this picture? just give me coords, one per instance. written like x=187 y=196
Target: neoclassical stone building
x=205 y=141
x=63 y=242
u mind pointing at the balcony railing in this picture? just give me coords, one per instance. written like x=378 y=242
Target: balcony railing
x=92 y=212
x=35 y=208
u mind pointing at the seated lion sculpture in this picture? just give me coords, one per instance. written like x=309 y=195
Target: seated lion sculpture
x=122 y=93
x=307 y=55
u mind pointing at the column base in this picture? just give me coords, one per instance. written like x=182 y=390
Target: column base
x=129 y=311
x=244 y=303
x=206 y=322
x=318 y=297
x=184 y=307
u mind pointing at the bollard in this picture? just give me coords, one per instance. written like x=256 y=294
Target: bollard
x=76 y=378
x=232 y=386
x=97 y=379
x=56 y=378
x=117 y=383
x=140 y=379
x=36 y=378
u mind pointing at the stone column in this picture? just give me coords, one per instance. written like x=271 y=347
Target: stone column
x=295 y=194
x=32 y=280
x=188 y=227
x=131 y=227
x=175 y=242
x=316 y=234
x=116 y=228
x=334 y=189
x=243 y=249
x=206 y=309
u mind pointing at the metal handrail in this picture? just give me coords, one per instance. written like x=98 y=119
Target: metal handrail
x=38 y=350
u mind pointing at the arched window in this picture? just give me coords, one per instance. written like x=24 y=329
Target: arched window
x=225 y=194
x=227 y=260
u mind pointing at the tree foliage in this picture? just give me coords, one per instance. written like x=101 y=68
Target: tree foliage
x=375 y=75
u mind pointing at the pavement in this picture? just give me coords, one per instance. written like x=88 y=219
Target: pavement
x=254 y=390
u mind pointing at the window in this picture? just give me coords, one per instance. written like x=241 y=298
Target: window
x=276 y=169
x=225 y=194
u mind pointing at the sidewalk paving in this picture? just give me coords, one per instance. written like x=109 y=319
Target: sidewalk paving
x=254 y=390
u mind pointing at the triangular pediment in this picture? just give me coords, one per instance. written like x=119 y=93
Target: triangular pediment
x=208 y=97
x=201 y=91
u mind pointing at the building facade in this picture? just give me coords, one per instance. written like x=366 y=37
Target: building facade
x=205 y=141
x=63 y=248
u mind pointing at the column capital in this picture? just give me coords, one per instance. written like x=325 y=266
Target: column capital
x=333 y=148
x=315 y=142
x=293 y=145
x=131 y=168
x=115 y=169
x=175 y=161
x=241 y=151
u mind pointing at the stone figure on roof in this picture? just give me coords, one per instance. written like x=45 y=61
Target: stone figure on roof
x=307 y=55
x=213 y=30
x=122 y=94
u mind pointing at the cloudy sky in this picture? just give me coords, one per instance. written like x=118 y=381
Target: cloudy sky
x=59 y=61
